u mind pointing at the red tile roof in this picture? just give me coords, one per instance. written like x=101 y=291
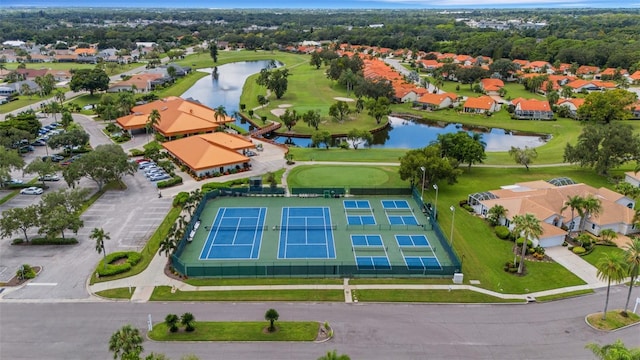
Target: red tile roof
x=482 y=102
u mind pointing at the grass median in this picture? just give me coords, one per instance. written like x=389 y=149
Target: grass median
x=163 y=293
x=239 y=331
x=435 y=296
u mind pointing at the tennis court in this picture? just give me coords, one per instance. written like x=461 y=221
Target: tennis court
x=306 y=233
x=243 y=236
x=399 y=212
x=236 y=233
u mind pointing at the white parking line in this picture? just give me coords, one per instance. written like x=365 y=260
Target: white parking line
x=42 y=284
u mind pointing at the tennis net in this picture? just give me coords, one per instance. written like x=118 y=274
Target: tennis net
x=399 y=210
x=358 y=211
x=305 y=227
x=417 y=250
x=237 y=228
x=369 y=250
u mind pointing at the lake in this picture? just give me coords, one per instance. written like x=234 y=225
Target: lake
x=225 y=88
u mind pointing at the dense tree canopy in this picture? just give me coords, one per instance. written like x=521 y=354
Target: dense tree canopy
x=106 y=163
x=89 y=80
x=436 y=167
x=607 y=106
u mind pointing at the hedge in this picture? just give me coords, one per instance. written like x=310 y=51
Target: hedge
x=109 y=270
x=176 y=180
x=579 y=250
x=54 y=241
x=502 y=232
x=520 y=240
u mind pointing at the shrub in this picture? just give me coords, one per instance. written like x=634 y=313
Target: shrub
x=111 y=269
x=520 y=240
x=467 y=207
x=176 y=180
x=54 y=241
x=502 y=232
x=136 y=152
x=180 y=199
x=25 y=272
x=579 y=250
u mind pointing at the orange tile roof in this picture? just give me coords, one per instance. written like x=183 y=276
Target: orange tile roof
x=85 y=51
x=141 y=81
x=585 y=69
x=228 y=141
x=635 y=75
x=436 y=99
x=178 y=117
x=577 y=102
x=612 y=71
x=492 y=84
x=531 y=104
x=199 y=154
x=482 y=102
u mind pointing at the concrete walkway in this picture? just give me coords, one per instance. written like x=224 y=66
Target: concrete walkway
x=576 y=265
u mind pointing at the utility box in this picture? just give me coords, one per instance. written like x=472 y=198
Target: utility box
x=458 y=278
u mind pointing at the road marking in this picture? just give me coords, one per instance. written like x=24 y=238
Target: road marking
x=42 y=284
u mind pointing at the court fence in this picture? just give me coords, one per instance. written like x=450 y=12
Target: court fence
x=301 y=268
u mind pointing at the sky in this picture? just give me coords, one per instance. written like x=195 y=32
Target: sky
x=328 y=4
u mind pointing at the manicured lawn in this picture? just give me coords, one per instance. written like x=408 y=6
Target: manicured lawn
x=149 y=251
x=599 y=251
x=22 y=102
x=181 y=85
x=614 y=320
x=416 y=280
x=119 y=293
x=563 y=295
x=163 y=293
x=438 y=296
x=262 y=281
x=70 y=66
x=362 y=176
x=350 y=155
x=239 y=331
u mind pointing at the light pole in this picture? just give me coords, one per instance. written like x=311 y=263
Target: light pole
x=435 y=209
x=424 y=174
x=453 y=217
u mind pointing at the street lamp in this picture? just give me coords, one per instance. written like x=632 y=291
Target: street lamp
x=453 y=216
x=435 y=209
x=424 y=174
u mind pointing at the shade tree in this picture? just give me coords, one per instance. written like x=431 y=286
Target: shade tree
x=41 y=168
x=436 y=168
x=104 y=164
x=523 y=156
x=18 y=219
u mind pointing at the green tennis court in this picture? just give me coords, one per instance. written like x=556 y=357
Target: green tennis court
x=316 y=237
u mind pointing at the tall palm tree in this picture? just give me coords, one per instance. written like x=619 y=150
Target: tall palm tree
x=271 y=316
x=220 y=113
x=632 y=257
x=333 y=355
x=126 y=343
x=615 y=351
x=100 y=236
x=611 y=267
x=590 y=206
x=574 y=203
x=529 y=227
x=607 y=235
x=187 y=320
x=153 y=120
x=495 y=213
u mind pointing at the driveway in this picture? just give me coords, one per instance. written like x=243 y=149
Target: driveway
x=576 y=265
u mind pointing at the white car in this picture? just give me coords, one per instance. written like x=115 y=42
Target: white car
x=49 y=177
x=33 y=190
x=159 y=177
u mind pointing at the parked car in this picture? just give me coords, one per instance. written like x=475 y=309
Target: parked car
x=250 y=153
x=13 y=182
x=151 y=168
x=145 y=165
x=49 y=177
x=155 y=174
x=140 y=161
x=26 y=149
x=159 y=177
x=33 y=190
x=39 y=142
x=54 y=158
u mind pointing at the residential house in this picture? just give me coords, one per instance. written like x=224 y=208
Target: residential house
x=213 y=153
x=430 y=65
x=178 y=117
x=404 y=92
x=31 y=74
x=542 y=67
x=139 y=83
x=60 y=75
x=547 y=202
x=7 y=91
x=610 y=73
x=580 y=85
x=531 y=109
x=481 y=105
x=572 y=104
x=491 y=86
x=632 y=178
x=436 y=101
x=587 y=71
x=635 y=77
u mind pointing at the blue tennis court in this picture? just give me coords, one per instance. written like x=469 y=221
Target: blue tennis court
x=306 y=233
x=370 y=252
x=395 y=219
x=396 y=204
x=422 y=263
x=357 y=204
x=236 y=233
x=412 y=240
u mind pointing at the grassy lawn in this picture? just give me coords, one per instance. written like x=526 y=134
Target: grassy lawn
x=438 y=296
x=614 y=320
x=119 y=293
x=360 y=155
x=239 y=331
x=150 y=249
x=22 y=101
x=181 y=85
x=593 y=257
x=262 y=281
x=71 y=66
x=163 y=293
x=364 y=176
x=412 y=281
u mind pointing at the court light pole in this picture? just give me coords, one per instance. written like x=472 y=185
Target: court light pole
x=453 y=217
x=435 y=209
x=424 y=174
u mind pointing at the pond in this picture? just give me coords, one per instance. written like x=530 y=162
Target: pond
x=224 y=87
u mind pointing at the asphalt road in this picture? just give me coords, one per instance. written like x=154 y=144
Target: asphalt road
x=554 y=330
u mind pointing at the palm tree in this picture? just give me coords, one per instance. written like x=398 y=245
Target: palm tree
x=574 y=203
x=529 y=227
x=187 y=320
x=271 y=316
x=611 y=267
x=333 y=355
x=153 y=120
x=60 y=96
x=615 y=351
x=495 y=213
x=590 y=206
x=126 y=343
x=632 y=256
x=171 y=320
x=100 y=236
x=220 y=113
x=607 y=235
